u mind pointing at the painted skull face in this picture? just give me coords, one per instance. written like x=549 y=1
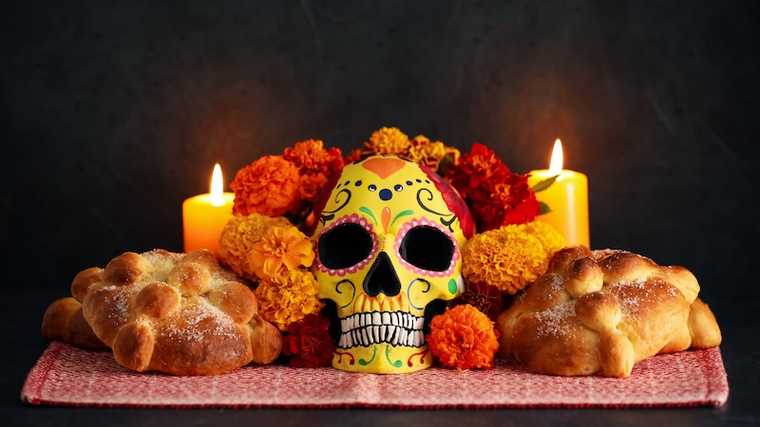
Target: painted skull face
x=388 y=243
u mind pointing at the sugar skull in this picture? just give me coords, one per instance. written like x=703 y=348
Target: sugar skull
x=388 y=244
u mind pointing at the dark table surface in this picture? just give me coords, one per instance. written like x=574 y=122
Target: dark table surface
x=23 y=312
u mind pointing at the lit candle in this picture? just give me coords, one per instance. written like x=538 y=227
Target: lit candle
x=204 y=216
x=563 y=195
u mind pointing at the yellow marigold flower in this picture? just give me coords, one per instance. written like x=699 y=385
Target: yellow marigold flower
x=548 y=236
x=280 y=250
x=388 y=141
x=288 y=300
x=455 y=154
x=510 y=257
x=426 y=152
x=239 y=236
x=420 y=140
x=430 y=153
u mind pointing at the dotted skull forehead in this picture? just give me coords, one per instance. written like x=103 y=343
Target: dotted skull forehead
x=387 y=180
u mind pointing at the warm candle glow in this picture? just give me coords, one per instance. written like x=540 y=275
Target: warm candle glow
x=217 y=186
x=555 y=165
x=205 y=215
x=563 y=196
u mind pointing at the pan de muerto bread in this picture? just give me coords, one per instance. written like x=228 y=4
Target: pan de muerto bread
x=600 y=312
x=63 y=321
x=176 y=313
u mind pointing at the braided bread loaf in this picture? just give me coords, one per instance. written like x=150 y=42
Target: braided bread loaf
x=175 y=313
x=600 y=312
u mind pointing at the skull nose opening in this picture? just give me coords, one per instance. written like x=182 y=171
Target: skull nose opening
x=382 y=277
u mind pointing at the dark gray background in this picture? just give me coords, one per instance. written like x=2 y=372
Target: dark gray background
x=114 y=113
x=117 y=112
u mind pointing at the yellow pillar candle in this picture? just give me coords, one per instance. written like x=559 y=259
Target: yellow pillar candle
x=204 y=215
x=566 y=197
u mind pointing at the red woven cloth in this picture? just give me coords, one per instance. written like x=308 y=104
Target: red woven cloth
x=65 y=375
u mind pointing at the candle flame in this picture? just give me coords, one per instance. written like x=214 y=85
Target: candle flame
x=555 y=165
x=217 y=186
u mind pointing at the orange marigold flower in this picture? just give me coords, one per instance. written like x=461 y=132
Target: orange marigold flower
x=311 y=156
x=463 y=338
x=388 y=141
x=267 y=186
x=279 y=251
x=288 y=300
x=510 y=257
x=316 y=164
x=239 y=236
x=312 y=186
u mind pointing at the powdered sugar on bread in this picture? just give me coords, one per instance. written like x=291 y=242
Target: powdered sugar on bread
x=176 y=313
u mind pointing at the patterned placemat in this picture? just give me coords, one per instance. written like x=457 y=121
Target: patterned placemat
x=67 y=376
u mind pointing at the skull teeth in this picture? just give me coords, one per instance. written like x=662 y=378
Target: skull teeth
x=395 y=328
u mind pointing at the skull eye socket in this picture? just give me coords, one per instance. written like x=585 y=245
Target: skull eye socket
x=427 y=248
x=344 y=245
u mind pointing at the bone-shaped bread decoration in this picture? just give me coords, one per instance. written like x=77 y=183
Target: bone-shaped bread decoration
x=63 y=321
x=600 y=312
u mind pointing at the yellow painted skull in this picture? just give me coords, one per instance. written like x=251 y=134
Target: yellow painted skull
x=388 y=243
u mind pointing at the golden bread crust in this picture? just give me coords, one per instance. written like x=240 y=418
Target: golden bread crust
x=63 y=321
x=180 y=314
x=600 y=312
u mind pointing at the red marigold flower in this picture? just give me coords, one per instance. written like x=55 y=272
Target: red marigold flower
x=308 y=342
x=487 y=299
x=496 y=195
x=477 y=172
x=268 y=186
x=524 y=211
x=463 y=338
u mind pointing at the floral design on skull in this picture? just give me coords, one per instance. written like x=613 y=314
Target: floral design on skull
x=388 y=243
